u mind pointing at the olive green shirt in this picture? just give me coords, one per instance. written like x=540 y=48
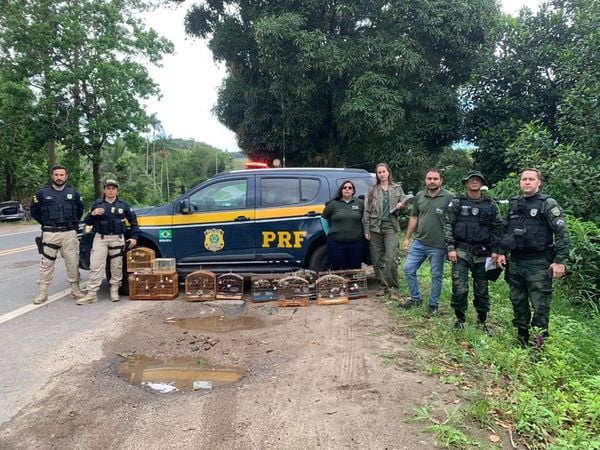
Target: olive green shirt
x=431 y=212
x=374 y=209
x=345 y=219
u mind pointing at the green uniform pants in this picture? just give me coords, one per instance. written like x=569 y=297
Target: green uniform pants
x=530 y=280
x=385 y=252
x=466 y=263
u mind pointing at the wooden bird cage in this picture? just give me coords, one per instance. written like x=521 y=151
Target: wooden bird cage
x=357 y=281
x=332 y=290
x=153 y=286
x=293 y=291
x=230 y=286
x=265 y=288
x=140 y=259
x=200 y=286
x=310 y=276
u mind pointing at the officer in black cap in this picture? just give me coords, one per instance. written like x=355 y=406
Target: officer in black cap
x=108 y=215
x=58 y=208
x=472 y=232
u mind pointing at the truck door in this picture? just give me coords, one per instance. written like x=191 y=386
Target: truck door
x=288 y=216
x=219 y=228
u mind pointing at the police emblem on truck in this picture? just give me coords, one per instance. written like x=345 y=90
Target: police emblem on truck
x=213 y=239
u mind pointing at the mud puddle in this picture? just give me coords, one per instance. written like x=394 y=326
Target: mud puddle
x=218 y=324
x=177 y=374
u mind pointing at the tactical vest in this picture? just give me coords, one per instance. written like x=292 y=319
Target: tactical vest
x=528 y=224
x=474 y=220
x=113 y=219
x=58 y=210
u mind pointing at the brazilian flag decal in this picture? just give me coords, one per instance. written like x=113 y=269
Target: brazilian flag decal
x=165 y=235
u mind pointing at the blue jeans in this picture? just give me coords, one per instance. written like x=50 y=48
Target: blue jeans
x=417 y=254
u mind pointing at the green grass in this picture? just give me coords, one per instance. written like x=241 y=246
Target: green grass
x=550 y=398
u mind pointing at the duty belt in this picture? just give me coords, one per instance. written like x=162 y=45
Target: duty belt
x=56 y=229
x=469 y=247
x=526 y=254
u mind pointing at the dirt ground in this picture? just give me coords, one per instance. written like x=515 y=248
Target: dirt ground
x=315 y=377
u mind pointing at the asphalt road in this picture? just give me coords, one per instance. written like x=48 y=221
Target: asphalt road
x=30 y=334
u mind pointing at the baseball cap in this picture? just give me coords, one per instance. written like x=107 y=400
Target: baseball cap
x=111 y=182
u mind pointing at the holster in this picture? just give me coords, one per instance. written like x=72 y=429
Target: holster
x=39 y=244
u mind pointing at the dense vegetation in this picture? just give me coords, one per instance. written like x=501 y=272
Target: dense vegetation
x=539 y=399
x=348 y=83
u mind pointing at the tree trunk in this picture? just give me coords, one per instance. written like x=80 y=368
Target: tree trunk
x=96 y=172
x=51 y=153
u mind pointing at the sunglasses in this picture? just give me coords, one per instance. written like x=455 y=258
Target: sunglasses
x=347 y=187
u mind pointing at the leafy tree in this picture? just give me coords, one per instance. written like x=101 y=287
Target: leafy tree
x=16 y=105
x=343 y=83
x=85 y=62
x=544 y=69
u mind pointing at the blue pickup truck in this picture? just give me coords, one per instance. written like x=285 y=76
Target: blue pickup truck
x=248 y=221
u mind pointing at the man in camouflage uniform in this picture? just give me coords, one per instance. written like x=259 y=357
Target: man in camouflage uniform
x=472 y=232
x=58 y=208
x=538 y=241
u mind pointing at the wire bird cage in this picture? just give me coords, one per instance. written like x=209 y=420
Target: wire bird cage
x=332 y=290
x=230 y=286
x=310 y=276
x=200 y=286
x=293 y=291
x=153 y=286
x=163 y=265
x=140 y=259
x=265 y=288
x=356 y=279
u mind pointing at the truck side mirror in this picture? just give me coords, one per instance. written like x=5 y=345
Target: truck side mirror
x=184 y=206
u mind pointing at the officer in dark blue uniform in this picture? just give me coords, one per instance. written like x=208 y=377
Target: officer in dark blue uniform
x=58 y=208
x=108 y=215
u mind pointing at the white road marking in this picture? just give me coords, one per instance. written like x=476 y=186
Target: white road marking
x=20 y=232
x=27 y=308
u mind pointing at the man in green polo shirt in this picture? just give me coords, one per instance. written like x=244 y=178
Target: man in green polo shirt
x=427 y=218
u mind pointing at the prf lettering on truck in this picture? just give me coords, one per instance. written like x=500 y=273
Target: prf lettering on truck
x=283 y=239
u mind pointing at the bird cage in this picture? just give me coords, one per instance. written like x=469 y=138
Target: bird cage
x=140 y=259
x=265 y=288
x=200 y=286
x=153 y=286
x=310 y=276
x=293 y=291
x=332 y=290
x=163 y=265
x=230 y=286
x=356 y=279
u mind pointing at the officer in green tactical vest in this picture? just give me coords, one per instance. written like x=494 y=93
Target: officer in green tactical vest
x=472 y=232
x=537 y=240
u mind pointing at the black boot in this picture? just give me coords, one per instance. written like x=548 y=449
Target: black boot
x=523 y=337
x=460 y=320
x=481 y=318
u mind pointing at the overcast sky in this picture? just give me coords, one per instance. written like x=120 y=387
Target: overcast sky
x=189 y=80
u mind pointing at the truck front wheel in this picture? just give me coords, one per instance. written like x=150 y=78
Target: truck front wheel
x=319 y=260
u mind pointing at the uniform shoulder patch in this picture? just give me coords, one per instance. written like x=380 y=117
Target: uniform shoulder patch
x=555 y=211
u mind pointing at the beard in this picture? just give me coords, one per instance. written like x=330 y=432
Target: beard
x=59 y=182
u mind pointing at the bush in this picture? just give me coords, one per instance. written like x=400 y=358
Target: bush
x=583 y=277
